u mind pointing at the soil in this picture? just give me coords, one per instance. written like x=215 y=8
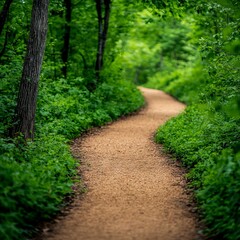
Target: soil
x=134 y=191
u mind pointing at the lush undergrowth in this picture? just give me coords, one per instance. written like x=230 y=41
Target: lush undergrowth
x=36 y=176
x=205 y=138
x=189 y=49
x=207 y=142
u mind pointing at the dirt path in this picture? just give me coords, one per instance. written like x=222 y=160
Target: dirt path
x=133 y=190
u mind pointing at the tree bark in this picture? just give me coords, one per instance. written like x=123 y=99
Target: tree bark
x=103 y=23
x=27 y=97
x=4 y=13
x=4 y=44
x=65 y=49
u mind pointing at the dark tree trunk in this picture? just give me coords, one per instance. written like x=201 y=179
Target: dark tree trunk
x=85 y=66
x=5 y=44
x=27 y=97
x=137 y=73
x=4 y=13
x=103 y=22
x=65 y=49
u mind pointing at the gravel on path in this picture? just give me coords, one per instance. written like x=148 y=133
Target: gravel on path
x=134 y=192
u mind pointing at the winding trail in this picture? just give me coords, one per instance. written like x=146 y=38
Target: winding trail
x=134 y=191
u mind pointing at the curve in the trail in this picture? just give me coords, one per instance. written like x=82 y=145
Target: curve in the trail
x=133 y=190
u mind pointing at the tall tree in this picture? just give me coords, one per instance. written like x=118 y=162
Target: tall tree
x=27 y=97
x=4 y=44
x=66 y=37
x=103 y=12
x=4 y=13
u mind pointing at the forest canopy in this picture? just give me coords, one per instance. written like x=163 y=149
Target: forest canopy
x=68 y=66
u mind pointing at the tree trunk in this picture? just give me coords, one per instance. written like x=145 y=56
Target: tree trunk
x=4 y=13
x=4 y=44
x=103 y=22
x=27 y=97
x=65 y=49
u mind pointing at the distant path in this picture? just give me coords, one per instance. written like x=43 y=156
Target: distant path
x=134 y=192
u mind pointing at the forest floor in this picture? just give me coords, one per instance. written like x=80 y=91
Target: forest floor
x=134 y=190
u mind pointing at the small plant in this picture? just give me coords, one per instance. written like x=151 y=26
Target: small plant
x=36 y=176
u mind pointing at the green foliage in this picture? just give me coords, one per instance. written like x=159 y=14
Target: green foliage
x=35 y=177
x=199 y=137
x=182 y=82
x=220 y=196
x=189 y=49
x=69 y=110
x=155 y=47
x=206 y=136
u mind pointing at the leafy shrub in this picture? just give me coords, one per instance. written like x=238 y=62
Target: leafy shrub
x=34 y=180
x=181 y=82
x=205 y=138
x=36 y=176
x=219 y=197
x=70 y=110
x=207 y=142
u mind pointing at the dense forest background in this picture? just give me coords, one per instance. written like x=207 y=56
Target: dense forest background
x=95 y=54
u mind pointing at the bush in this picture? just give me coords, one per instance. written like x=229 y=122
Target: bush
x=205 y=138
x=207 y=143
x=219 y=198
x=36 y=176
x=181 y=82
